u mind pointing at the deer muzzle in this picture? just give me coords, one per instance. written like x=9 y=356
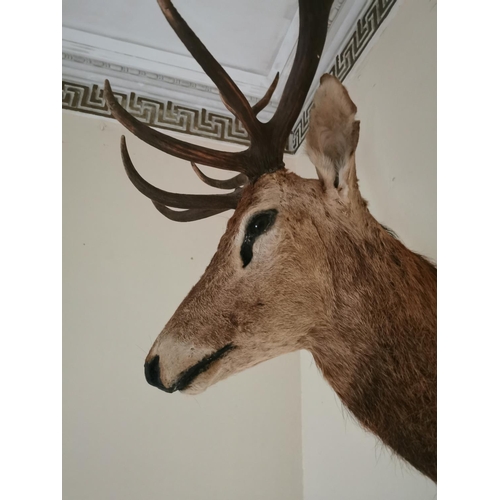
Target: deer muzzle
x=153 y=369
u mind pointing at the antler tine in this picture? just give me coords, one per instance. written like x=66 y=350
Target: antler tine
x=234 y=182
x=187 y=215
x=191 y=152
x=197 y=201
x=313 y=16
x=229 y=91
x=257 y=108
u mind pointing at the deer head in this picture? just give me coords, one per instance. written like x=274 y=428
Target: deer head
x=254 y=300
x=269 y=288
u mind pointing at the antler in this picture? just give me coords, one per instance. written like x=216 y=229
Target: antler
x=267 y=140
x=234 y=182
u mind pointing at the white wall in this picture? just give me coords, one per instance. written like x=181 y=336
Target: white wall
x=125 y=270
x=394 y=88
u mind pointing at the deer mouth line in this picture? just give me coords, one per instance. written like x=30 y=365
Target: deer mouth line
x=187 y=376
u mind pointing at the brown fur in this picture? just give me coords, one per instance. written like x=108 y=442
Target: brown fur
x=327 y=277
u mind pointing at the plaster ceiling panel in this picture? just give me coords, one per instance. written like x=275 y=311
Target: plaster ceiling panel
x=243 y=35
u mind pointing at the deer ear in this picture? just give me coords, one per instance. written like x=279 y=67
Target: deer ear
x=333 y=133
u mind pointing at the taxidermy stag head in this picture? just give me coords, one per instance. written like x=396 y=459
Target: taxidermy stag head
x=302 y=264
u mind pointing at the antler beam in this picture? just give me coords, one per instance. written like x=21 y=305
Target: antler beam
x=313 y=19
x=175 y=147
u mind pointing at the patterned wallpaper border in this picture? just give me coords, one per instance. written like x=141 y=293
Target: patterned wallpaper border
x=88 y=98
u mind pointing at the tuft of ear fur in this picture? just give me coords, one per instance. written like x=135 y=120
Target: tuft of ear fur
x=333 y=135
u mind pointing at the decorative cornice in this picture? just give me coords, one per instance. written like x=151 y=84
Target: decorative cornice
x=110 y=68
x=88 y=98
x=165 y=114
x=337 y=5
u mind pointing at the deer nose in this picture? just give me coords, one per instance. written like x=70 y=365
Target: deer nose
x=152 y=373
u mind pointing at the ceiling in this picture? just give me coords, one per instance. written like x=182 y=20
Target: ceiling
x=130 y=43
x=228 y=27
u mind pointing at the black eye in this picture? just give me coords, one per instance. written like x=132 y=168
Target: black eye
x=258 y=225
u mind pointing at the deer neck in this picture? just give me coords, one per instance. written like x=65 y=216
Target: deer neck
x=376 y=347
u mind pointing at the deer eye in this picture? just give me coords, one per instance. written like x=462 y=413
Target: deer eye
x=258 y=225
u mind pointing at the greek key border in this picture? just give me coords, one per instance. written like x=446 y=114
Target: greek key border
x=88 y=98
